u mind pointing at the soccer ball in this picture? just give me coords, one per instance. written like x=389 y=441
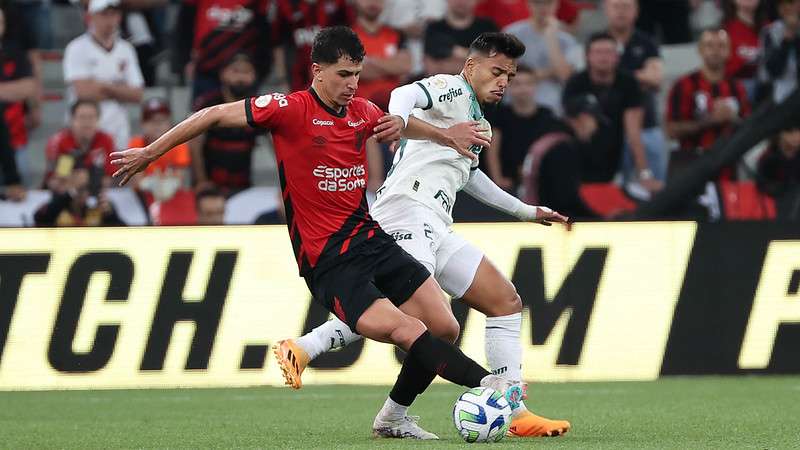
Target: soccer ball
x=482 y=415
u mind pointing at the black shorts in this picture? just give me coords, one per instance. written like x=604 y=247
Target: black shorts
x=377 y=268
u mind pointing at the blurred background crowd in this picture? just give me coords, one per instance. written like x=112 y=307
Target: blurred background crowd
x=612 y=102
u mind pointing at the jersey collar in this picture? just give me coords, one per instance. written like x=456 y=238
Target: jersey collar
x=475 y=108
x=340 y=114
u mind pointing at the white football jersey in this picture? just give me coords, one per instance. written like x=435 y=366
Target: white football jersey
x=426 y=171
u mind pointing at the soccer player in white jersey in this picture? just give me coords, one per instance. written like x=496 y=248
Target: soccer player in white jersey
x=415 y=206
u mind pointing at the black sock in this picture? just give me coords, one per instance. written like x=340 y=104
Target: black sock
x=414 y=378
x=446 y=360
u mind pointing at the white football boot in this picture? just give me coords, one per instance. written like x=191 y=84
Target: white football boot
x=405 y=428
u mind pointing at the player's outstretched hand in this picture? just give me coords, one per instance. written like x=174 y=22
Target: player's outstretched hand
x=389 y=128
x=131 y=162
x=462 y=136
x=547 y=216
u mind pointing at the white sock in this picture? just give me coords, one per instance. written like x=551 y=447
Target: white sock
x=331 y=335
x=503 y=348
x=392 y=411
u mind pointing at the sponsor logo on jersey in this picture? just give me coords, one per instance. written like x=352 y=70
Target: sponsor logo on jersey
x=264 y=100
x=451 y=95
x=235 y=18
x=439 y=82
x=322 y=123
x=355 y=124
x=402 y=236
x=338 y=179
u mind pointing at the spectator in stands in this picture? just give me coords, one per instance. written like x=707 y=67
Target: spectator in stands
x=34 y=19
x=516 y=124
x=387 y=61
x=411 y=17
x=447 y=41
x=78 y=199
x=17 y=85
x=743 y=21
x=552 y=170
x=81 y=144
x=157 y=120
x=140 y=27
x=294 y=25
x=779 y=166
x=621 y=100
x=705 y=105
x=100 y=66
x=209 y=32
x=210 y=205
x=222 y=157
x=670 y=17
x=552 y=53
x=640 y=57
x=781 y=47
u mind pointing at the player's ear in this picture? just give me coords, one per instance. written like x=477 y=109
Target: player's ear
x=316 y=70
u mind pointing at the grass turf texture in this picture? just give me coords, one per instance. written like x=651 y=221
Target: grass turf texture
x=675 y=413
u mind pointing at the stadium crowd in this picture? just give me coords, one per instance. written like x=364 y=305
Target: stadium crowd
x=591 y=125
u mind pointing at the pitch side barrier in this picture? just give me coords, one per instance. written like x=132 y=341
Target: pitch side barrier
x=762 y=124
x=166 y=307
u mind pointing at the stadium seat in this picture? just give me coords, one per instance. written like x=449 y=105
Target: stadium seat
x=743 y=201
x=606 y=199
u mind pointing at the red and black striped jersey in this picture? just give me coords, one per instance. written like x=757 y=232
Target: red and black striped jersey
x=298 y=22
x=227 y=152
x=223 y=28
x=322 y=166
x=692 y=97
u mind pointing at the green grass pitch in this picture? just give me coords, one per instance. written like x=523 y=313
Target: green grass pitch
x=673 y=413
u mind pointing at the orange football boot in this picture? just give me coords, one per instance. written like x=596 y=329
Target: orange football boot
x=528 y=424
x=293 y=361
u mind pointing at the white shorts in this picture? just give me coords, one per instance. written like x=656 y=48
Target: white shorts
x=425 y=236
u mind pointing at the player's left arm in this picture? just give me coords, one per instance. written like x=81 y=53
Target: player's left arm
x=404 y=99
x=483 y=189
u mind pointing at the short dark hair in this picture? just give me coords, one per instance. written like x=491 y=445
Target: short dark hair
x=332 y=43
x=81 y=102
x=207 y=193
x=599 y=36
x=493 y=43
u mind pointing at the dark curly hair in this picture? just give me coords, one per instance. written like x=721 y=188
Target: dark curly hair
x=493 y=43
x=332 y=43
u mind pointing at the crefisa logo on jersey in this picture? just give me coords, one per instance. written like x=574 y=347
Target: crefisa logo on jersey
x=339 y=179
x=451 y=95
x=402 y=236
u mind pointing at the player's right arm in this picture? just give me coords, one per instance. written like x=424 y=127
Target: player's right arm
x=459 y=137
x=132 y=161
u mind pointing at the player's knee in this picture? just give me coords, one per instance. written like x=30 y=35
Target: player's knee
x=407 y=331
x=509 y=302
x=446 y=328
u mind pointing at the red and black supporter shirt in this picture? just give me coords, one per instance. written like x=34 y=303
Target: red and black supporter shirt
x=297 y=22
x=322 y=165
x=14 y=65
x=96 y=154
x=216 y=30
x=227 y=152
x=692 y=97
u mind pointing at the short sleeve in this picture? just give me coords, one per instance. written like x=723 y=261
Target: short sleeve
x=271 y=111
x=76 y=65
x=373 y=114
x=633 y=95
x=133 y=73
x=22 y=66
